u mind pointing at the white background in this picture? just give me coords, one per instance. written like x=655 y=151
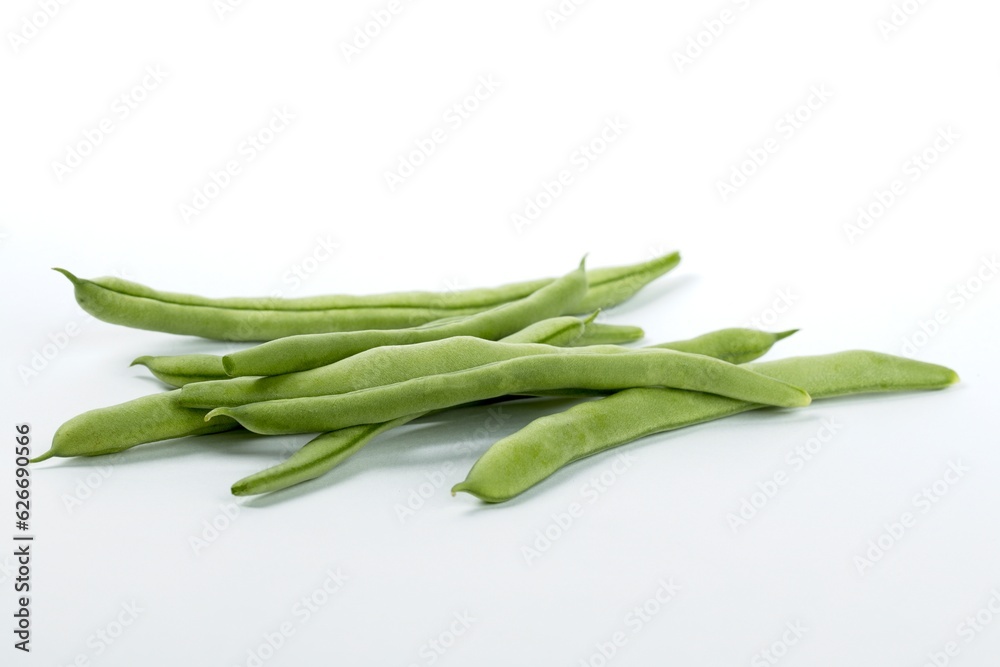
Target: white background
x=119 y=534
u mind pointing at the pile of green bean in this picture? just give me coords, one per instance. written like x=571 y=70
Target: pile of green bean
x=352 y=367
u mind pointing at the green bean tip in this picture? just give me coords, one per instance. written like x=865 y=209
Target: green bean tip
x=73 y=279
x=44 y=457
x=141 y=361
x=219 y=412
x=593 y=316
x=785 y=334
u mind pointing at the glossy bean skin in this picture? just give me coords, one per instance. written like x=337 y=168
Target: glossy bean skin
x=136 y=422
x=257 y=319
x=519 y=461
x=299 y=353
x=597 y=367
x=328 y=450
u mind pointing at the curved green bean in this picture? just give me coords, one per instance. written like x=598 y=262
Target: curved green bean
x=130 y=304
x=182 y=369
x=136 y=422
x=299 y=353
x=328 y=450
x=519 y=461
x=611 y=368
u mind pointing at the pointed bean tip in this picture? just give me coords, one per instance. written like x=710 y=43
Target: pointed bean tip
x=461 y=486
x=593 y=316
x=785 y=334
x=72 y=278
x=141 y=361
x=218 y=412
x=43 y=457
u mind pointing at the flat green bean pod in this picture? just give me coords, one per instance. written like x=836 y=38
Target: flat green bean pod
x=518 y=462
x=328 y=450
x=599 y=367
x=299 y=353
x=254 y=319
x=136 y=422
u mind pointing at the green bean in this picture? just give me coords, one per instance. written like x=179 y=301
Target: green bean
x=601 y=367
x=599 y=333
x=384 y=365
x=519 y=461
x=299 y=353
x=181 y=369
x=254 y=319
x=737 y=346
x=326 y=451
x=139 y=421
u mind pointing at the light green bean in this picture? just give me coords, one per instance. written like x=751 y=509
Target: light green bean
x=254 y=319
x=299 y=353
x=519 y=461
x=584 y=368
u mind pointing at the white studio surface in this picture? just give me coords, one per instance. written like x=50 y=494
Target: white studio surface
x=226 y=148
